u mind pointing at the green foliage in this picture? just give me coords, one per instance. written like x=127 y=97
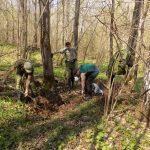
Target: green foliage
x=102 y=76
x=19 y=126
x=36 y=57
x=4 y=67
x=59 y=72
x=10 y=120
x=138 y=85
x=103 y=67
x=38 y=70
x=6 y=49
x=7 y=46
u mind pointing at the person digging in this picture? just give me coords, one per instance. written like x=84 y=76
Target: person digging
x=24 y=70
x=70 y=62
x=87 y=74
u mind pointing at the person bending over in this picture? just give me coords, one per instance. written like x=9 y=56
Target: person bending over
x=24 y=68
x=87 y=73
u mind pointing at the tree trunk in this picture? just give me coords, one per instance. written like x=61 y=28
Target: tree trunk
x=111 y=29
x=57 y=25
x=67 y=20
x=13 y=23
x=141 y=36
x=63 y=22
x=76 y=23
x=7 y=28
x=23 y=28
x=132 y=41
x=7 y=24
x=50 y=12
x=45 y=44
x=35 y=23
x=147 y=91
x=18 y=32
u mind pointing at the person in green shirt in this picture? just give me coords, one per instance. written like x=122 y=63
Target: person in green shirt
x=24 y=68
x=87 y=74
x=70 y=55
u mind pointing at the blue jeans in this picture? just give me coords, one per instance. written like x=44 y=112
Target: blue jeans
x=90 y=76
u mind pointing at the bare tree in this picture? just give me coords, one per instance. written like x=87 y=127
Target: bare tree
x=18 y=30
x=76 y=23
x=132 y=41
x=13 y=22
x=35 y=22
x=67 y=18
x=57 y=25
x=147 y=72
x=63 y=22
x=141 y=37
x=111 y=28
x=23 y=28
x=45 y=44
x=7 y=21
x=147 y=90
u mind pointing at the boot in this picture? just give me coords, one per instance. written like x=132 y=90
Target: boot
x=69 y=84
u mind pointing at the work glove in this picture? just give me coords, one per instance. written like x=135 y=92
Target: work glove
x=26 y=94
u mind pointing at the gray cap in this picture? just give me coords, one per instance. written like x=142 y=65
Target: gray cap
x=28 y=67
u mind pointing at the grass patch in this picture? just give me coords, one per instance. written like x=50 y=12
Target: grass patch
x=36 y=57
x=5 y=67
x=12 y=121
x=10 y=110
x=7 y=46
x=59 y=72
x=102 y=76
x=38 y=70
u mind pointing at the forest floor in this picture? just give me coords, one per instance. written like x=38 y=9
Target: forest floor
x=70 y=122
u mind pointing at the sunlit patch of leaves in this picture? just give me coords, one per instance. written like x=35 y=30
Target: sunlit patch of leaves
x=10 y=129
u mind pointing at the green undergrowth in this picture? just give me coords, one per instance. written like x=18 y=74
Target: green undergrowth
x=83 y=127
x=7 y=46
x=14 y=116
x=58 y=72
x=124 y=133
x=7 y=56
x=20 y=128
x=5 y=67
x=139 y=85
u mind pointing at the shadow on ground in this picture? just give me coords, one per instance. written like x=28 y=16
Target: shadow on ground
x=32 y=132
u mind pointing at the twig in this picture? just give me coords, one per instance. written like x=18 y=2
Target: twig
x=89 y=42
x=144 y=92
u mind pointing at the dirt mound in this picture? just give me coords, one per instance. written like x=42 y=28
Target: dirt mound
x=45 y=105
